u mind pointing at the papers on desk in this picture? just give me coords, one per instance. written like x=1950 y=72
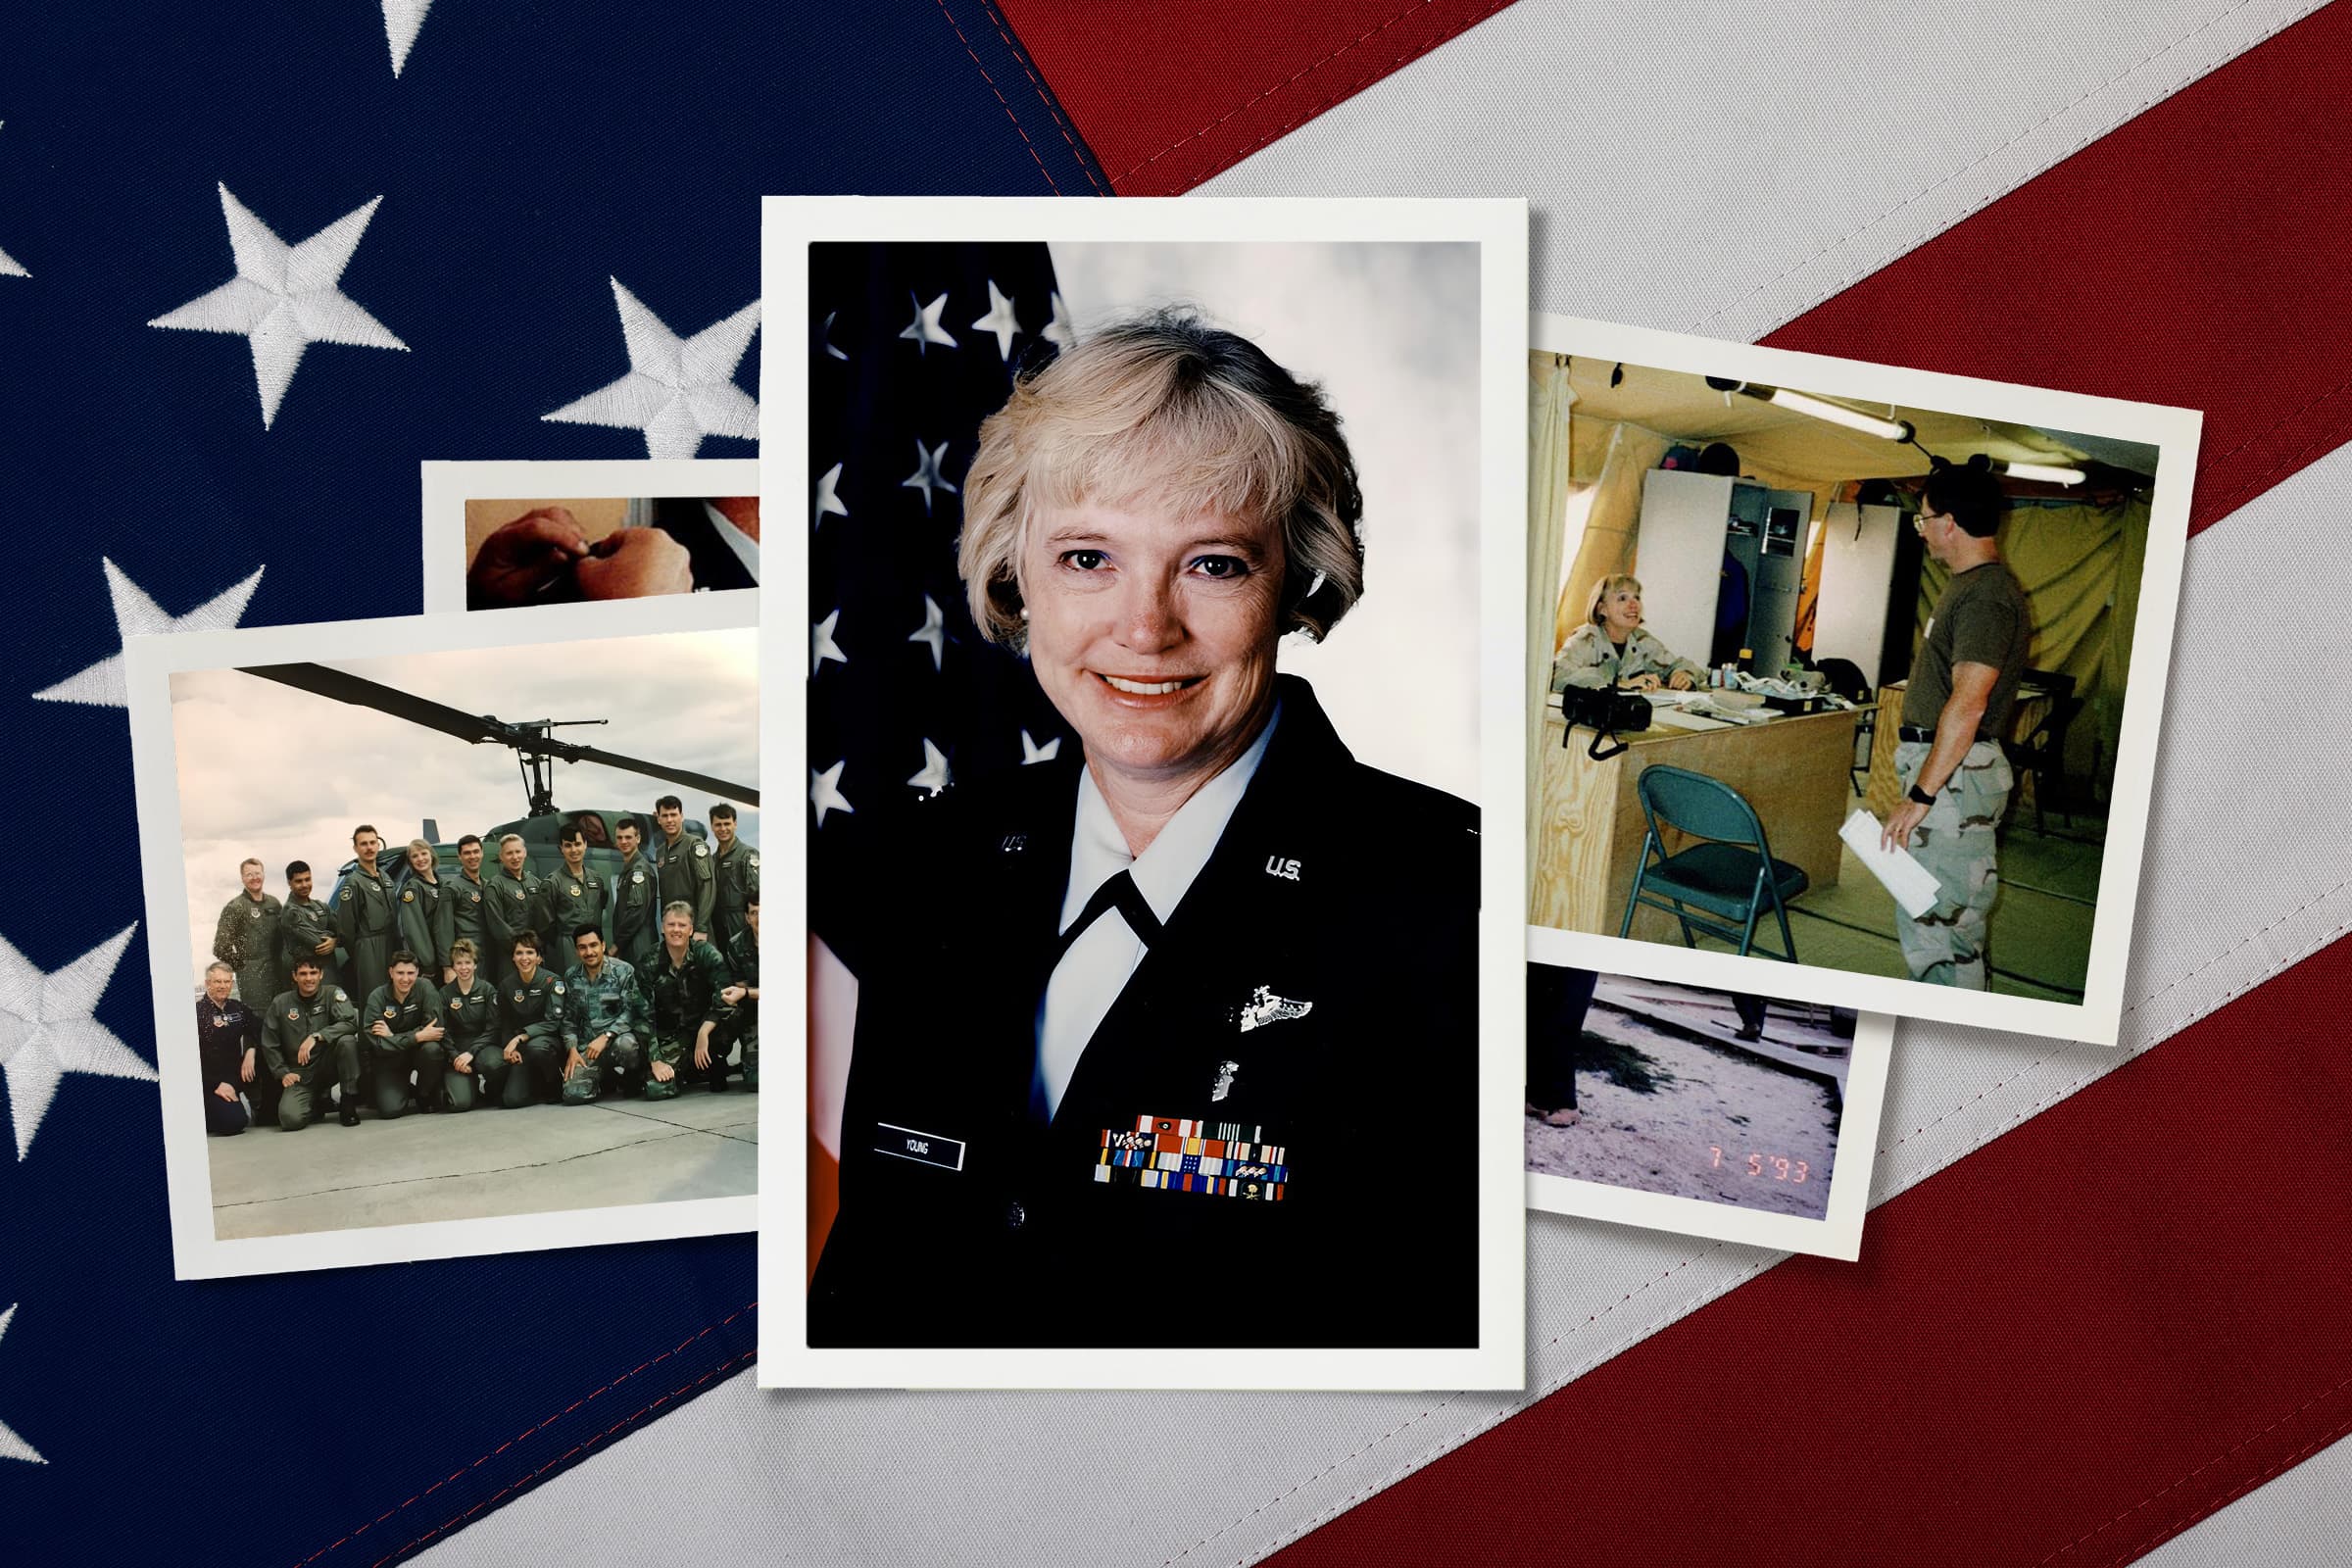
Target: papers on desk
x=1911 y=883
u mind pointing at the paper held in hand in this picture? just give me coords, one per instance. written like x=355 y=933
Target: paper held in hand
x=1911 y=883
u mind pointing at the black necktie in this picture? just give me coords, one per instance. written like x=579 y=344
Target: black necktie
x=1119 y=890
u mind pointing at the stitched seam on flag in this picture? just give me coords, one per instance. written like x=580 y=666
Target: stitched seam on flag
x=2334 y=391
x=993 y=88
x=683 y=1388
x=2227 y=1498
x=2153 y=1497
x=1309 y=71
x=1077 y=151
x=2295 y=460
x=1687 y=1307
x=531 y=1432
x=2341 y=929
x=1982 y=159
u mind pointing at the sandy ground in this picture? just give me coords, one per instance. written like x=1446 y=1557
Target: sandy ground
x=1667 y=1141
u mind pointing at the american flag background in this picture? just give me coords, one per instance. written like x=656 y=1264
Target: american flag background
x=2097 y=1315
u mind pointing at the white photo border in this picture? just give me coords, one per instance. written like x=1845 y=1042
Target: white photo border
x=149 y=664
x=2173 y=433
x=1837 y=1234
x=448 y=485
x=789 y=224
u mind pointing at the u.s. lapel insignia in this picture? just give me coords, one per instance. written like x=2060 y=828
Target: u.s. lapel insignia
x=1014 y=843
x=1265 y=1007
x=1285 y=868
x=1224 y=1084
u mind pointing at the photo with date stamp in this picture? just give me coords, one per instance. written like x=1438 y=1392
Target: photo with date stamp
x=1694 y=1110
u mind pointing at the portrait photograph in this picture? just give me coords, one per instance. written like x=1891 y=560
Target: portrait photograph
x=1160 y=724
x=502 y=535
x=454 y=928
x=1846 y=678
x=1725 y=1114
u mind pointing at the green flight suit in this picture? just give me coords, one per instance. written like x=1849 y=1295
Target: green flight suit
x=533 y=1009
x=567 y=902
x=428 y=914
x=686 y=877
x=368 y=927
x=741 y=1022
x=735 y=880
x=306 y=923
x=398 y=1052
x=465 y=898
x=334 y=1054
x=471 y=1019
x=610 y=1006
x=636 y=909
x=679 y=998
x=245 y=937
x=512 y=904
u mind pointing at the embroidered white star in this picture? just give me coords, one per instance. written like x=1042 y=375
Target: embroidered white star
x=824 y=792
x=934 y=776
x=925 y=329
x=46 y=1030
x=1060 y=331
x=933 y=631
x=828 y=498
x=284 y=298
x=822 y=645
x=1001 y=319
x=402 y=19
x=926 y=475
x=137 y=614
x=1032 y=753
x=678 y=390
x=13 y=1446
x=827 y=337
x=9 y=269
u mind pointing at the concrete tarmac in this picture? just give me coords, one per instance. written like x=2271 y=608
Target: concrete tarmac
x=540 y=1158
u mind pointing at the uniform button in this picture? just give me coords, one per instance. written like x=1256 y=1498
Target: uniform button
x=1015 y=1216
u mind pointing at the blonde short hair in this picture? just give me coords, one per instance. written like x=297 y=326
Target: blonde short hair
x=1165 y=406
x=1606 y=587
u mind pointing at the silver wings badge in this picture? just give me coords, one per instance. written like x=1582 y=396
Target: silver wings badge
x=1265 y=1007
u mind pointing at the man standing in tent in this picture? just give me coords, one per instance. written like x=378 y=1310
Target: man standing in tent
x=1955 y=712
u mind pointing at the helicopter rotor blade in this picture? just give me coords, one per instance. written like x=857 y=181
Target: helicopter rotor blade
x=480 y=728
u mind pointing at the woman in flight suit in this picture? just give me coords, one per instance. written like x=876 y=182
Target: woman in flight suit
x=1197 y=1066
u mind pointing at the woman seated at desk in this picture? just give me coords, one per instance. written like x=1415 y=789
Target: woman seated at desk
x=1612 y=649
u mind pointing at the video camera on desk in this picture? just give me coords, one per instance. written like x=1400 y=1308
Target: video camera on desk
x=1605 y=710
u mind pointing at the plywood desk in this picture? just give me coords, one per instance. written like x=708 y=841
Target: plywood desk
x=1884 y=790
x=1796 y=772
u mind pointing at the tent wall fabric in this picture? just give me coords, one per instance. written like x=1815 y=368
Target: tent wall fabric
x=1549 y=400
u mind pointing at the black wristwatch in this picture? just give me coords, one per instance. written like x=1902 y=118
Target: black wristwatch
x=1922 y=795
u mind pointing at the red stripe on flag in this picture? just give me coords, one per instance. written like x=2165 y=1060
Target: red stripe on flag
x=2194 y=255
x=1167 y=95
x=2060 y=1352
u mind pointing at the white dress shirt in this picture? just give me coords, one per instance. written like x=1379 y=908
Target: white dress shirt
x=1098 y=963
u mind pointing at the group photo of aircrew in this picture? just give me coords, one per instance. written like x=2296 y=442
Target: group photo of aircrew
x=410 y=991
x=433 y=887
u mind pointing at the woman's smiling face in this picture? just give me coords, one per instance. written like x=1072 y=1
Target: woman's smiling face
x=1154 y=632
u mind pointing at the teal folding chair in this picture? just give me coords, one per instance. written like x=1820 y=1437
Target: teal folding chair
x=1730 y=875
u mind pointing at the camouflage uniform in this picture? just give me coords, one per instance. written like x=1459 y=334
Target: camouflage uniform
x=636 y=910
x=609 y=1004
x=565 y=903
x=471 y=1019
x=427 y=924
x=686 y=878
x=334 y=1058
x=366 y=927
x=306 y=922
x=399 y=1054
x=741 y=1022
x=679 y=998
x=1590 y=658
x=467 y=898
x=510 y=905
x=535 y=1011
x=245 y=937
x=1955 y=841
x=735 y=882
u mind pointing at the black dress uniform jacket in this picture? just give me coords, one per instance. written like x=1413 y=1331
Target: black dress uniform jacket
x=1338 y=916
